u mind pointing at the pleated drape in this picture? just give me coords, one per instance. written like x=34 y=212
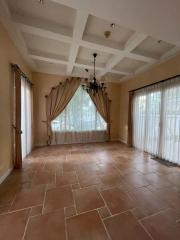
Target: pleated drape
x=130 y=121
x=103 y=105
x=156 y=120
x=17 y=156
x=58 y=99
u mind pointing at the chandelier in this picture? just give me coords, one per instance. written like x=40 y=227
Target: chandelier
x=93 y=86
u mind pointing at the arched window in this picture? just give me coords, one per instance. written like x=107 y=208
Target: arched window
x=79 y=122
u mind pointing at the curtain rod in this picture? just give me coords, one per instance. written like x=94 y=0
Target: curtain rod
x=148 y=85
x=15 y=66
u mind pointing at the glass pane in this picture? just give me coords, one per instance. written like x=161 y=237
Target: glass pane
x=79 y=115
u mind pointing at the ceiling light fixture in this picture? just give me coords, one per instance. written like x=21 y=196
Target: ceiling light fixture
x=41 y=1
x=93 y=86
x=112 y=25
x=108 y=33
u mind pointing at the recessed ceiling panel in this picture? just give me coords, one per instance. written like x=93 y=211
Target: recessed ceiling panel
x=46 y=45
x=86 y=54
x=48 y=67
x=112 y=77
x=50 y=11
x=129 y=65
x=152 y=47
x=96 y=27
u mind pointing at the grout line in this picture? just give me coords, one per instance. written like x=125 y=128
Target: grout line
x=154 y=214
x=21 y=209
x=65 y=223
x=104 y=227
x=43 y=202
x=140 y=223
x=78 y=214
x=119 y=213
x=73 y=192
x=105 y=204
x=27 y=222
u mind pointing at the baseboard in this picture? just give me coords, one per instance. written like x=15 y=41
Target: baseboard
x=40 y=145
x=123 y=141
x=114 y=140
x=5 y=175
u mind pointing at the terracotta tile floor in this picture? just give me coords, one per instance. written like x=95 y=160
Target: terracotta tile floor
x=103 y=191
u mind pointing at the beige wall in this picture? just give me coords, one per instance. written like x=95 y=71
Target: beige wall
x=43 y=84
x=157 y=73
x=8 y=54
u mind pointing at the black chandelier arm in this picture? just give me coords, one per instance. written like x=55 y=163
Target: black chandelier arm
x=93 y=86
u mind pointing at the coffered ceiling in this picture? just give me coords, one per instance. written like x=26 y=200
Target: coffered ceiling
x=59 y=37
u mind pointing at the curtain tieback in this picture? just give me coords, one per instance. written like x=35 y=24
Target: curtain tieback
x=17 y=131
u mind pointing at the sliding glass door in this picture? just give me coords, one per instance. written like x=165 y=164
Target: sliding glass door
x=26 y=117
x=156 y=120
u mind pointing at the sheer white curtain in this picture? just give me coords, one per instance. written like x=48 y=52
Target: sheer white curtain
x=80 y=122
x=26 y=117
x=156 y=120
x=170 y=144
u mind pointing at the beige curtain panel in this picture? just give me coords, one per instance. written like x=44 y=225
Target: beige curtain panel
x=103 y=104
x=58 y=99
x=130 y=122
x=17 y=154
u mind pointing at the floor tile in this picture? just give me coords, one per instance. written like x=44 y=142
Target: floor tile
x=124 y=226
x=158 y=180
x=50 y=226
x=27 y=198
x=4 y=209
x=43 y=177
x=163 y=226
x=58 y=198
x=146 y=203
x=7 y=194
x=87 y=226
x=171 y=195
x=112 y=180
x=12 y=225
x=136 y=180
x=68 y=167
x=66 y=179
x=87 y=199
x=109 y=177
x=117 y=200
x=89 y=180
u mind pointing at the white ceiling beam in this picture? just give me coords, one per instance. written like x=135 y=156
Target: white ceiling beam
x=51 y=58
x=96 y=46
x=134 y=41
x=140 y=15
x=43 y=29
x=131 y=44
x=47 y=57
x=79 y=27
x=38 y=27
x=14 y=32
